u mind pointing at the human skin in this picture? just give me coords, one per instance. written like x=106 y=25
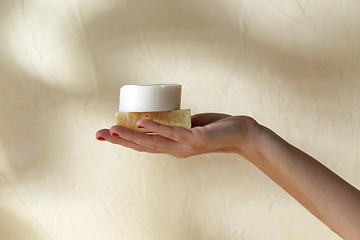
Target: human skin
x=327 y=196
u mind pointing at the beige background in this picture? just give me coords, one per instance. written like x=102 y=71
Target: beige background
x=294 y=65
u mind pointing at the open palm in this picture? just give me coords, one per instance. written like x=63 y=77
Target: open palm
x=211 y=132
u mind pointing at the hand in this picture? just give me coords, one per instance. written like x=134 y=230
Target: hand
x=211 y=132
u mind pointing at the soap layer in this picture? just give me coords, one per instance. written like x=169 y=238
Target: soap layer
x=181 y=118
x=150 y=98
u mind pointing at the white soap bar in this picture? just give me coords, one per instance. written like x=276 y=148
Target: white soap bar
x=150 y=98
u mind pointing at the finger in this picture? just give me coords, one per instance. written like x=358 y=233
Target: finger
x=126 y=143
x=102 y=134
x=105 y=135
x=153 y=142
x=174 y=133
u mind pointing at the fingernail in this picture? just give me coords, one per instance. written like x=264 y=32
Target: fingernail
x=101 y=139
x=140 y=126
x=114 y=134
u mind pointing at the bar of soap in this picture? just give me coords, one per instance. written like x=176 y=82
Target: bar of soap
x=150 y=98
x=180 y=118
x=159 y=103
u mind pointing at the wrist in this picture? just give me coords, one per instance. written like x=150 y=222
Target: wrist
x=250 y=145
x=262 y=145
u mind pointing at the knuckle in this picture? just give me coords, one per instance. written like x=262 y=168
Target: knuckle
x=198 y=145
x=151 y=145
x=190 y=151
x=150 y=150
x=167 y=131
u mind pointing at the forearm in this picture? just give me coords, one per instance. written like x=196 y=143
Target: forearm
x=331 y=199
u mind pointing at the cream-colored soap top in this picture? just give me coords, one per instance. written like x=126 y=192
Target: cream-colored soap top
x=150 y=98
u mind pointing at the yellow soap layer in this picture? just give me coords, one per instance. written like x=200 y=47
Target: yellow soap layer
x=181 y=118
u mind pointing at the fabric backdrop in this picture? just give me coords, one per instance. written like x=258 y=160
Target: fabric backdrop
x=293 y=65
